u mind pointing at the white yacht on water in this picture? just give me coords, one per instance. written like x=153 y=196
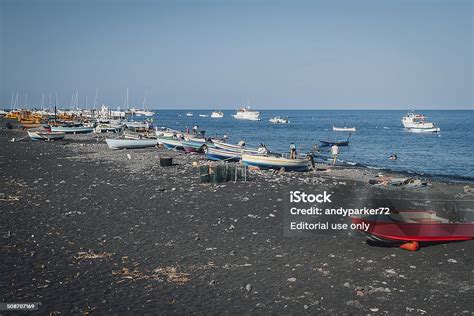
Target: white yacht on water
x=246 y=113
x=417 y=123
x=217 y=114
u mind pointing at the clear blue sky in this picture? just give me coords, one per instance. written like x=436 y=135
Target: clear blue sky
x=207 y=54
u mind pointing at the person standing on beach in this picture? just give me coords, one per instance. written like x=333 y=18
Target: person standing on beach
x=195 y=129
x=335 y=153
x=292 y=151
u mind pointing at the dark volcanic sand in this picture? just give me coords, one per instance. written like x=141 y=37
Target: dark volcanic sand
x=195 y=248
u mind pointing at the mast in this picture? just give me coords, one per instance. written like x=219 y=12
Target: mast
x=126 y=100
x=95 y=99
x=11 y=102
x=16 y=100
x=145 y=101
x=76 y=100
x=42 y=101
x=26 y=100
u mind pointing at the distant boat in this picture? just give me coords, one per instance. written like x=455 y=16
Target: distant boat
x=46 y=135
x=417 y=123
x=203 y=115
x=279 y=120
x=344 y=129
x=217 y=114
x=189 y=114
x=272 y=162
x=246 y=113
x=127 y=143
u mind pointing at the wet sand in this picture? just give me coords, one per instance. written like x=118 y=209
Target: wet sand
x=86 y=229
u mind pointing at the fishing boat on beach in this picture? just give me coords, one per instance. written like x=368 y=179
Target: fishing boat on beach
x=171 y=142
x=344 y=129
x=416 y=123
x=239 y=148
x=276 y=162
x=72 y=129
x=218 y=154
x=279 y=120
x=45 y=135
x=414 y=226
x=129 y=143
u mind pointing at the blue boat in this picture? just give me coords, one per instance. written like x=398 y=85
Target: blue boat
x=329 y=143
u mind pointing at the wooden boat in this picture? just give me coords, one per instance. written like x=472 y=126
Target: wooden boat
x=195 y=145
x=273 y=162
x=344 y=129
x=45 y=135
x=235 y=148
x=127 y=143
x=414 y=225
x=170 y=142
x=217 y=154
x=72 y=129
x=329 y=143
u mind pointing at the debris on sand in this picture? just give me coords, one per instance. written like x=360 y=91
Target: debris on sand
x=169 y=274
x=92 y=255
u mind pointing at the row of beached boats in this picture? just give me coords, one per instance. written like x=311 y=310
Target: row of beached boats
x=214 y=148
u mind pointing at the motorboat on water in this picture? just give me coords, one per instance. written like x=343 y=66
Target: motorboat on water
x=217 y=114
x=344 y=129
x=45 y=135
x=279 y=120
x=414 y=225
x=189 y=114
x=329 y=143
x=246 y=113
x=417 y=123
x=276 y=162
x=130 y=143
x=203 y=115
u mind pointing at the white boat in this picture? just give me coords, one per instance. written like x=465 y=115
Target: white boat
x=417 y=123
x=109 y=127
x=72 y=129
x=46 y=135
x=3 y=113
x=203 y=115
x=246 y=113
x=168 y=132
x=172 y=142
x=278 y=120
x=127 y=143
x=240 y=148
x=189 y=114
x=217 y=114
x=344 y=129
x=272 y=162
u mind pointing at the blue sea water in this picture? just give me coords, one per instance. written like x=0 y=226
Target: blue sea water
x=449 y=154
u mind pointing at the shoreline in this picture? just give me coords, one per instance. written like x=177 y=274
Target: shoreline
x=86 y=229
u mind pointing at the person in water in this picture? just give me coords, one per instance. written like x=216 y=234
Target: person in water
x=292 y=151
x=393 y=157
x=335 y=153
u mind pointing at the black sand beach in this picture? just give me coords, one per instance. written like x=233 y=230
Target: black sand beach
x=85 y=229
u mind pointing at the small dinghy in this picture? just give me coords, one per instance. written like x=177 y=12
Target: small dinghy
x=171 y=142
x=414 y=226
x=239 y=148
x=344 y=129
x=46 y=135
x=274 y=162
x=329 y=143
x=127 y=143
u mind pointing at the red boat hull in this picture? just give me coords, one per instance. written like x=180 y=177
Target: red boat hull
x=426 y=232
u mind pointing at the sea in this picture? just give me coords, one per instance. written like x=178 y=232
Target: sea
x=447 y=155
